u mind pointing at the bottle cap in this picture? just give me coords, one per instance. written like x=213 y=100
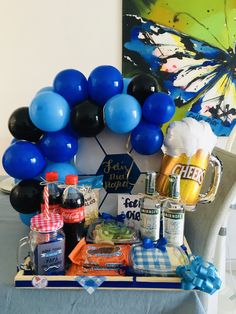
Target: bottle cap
x=71 y=179
x=51 y=176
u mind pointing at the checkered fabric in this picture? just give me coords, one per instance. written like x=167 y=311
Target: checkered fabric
x=150 y=260
x=40 y=224
x=90 y=283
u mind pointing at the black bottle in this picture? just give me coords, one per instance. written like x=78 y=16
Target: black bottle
x=72 y=211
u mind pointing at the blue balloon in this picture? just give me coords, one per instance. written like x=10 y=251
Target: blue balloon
x=158 y=108
x=45 y=89
x=25 y=218
x=63 y=170
x=49 y=111
x=147 y=138
x=58 y=146
x=72 y=85
x=104 y=82
x=14 y=140
x=68 y=129
x=23 y=160
x=122 y=113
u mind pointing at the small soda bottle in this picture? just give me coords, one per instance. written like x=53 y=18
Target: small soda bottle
x=72 y=211
x=54 y=193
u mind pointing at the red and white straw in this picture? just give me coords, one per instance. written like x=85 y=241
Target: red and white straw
x=46 y=202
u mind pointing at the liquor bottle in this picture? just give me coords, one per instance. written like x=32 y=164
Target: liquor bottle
x=173 y=213
x=54 y=193
x=150 y=210
x=72 y=211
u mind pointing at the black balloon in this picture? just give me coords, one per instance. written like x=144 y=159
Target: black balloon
x=26 y=196
x=87 y=118
x=141 y=86
x=21 y=127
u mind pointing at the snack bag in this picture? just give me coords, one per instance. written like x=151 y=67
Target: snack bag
x=102 y=259
x=77 y=270
x=90 y=188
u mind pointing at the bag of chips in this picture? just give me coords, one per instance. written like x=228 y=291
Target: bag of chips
x=90 y=188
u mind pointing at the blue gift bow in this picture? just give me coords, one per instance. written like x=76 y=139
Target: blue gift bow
x=160 y=244
x=199 y=274
x=108 y=217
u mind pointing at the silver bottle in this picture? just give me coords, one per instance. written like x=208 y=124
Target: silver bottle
x=173 y=213
x=150 y=210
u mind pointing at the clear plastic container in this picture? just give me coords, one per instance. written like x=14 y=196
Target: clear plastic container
x=154 y=262
x=111 y=231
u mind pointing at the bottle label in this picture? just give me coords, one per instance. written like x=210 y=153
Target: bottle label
x=54 y=209
x=174 y=216
x=174 y=228
x=72 y=215
x=49 y=257
x=150 y=223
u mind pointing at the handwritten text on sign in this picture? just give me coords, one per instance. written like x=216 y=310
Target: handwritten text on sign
x=120 y=173
x=129 y=205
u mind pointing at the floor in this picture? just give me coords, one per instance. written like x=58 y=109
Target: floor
x=227 y=296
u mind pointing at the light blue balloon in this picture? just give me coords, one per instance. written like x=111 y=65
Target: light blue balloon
x=126 y=81
x=45 y=89
x=122 y=113
x=25 y=218
x=49 y=111
x=62 y=168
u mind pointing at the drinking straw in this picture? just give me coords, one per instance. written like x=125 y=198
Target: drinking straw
x=46 y=202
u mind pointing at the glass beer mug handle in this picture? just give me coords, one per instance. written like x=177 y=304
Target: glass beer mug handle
x=209 y=196
x=24 y=242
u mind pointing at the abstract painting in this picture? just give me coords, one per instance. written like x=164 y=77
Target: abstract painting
x=190 y=47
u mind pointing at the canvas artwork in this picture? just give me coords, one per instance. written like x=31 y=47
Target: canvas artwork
x=190 y=47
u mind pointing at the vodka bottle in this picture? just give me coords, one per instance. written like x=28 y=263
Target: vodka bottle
x=150 y=209
x=173 y=213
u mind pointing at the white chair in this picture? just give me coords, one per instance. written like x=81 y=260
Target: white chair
x=203 y=227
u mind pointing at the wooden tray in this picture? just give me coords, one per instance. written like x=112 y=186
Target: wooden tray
x=110 y=282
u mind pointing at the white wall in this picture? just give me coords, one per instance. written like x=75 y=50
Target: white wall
x=38 y=38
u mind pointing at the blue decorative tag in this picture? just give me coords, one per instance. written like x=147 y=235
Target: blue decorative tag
x=120 y=173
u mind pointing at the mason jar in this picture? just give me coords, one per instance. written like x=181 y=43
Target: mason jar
x=46 y=243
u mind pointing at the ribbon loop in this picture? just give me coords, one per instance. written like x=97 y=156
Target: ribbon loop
x=108 y=217
x=199 y=274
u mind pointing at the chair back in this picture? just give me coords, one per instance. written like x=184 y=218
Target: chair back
x=202 y=226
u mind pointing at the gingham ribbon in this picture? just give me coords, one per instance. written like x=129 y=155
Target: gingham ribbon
x=40 y=224
x=90 y=283
x=150 y=259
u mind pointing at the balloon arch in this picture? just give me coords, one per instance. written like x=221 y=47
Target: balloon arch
x=46 y=133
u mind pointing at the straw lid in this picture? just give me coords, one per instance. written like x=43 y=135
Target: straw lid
x=40 y=224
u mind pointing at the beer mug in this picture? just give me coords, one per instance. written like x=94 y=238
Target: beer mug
x=191 y=167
